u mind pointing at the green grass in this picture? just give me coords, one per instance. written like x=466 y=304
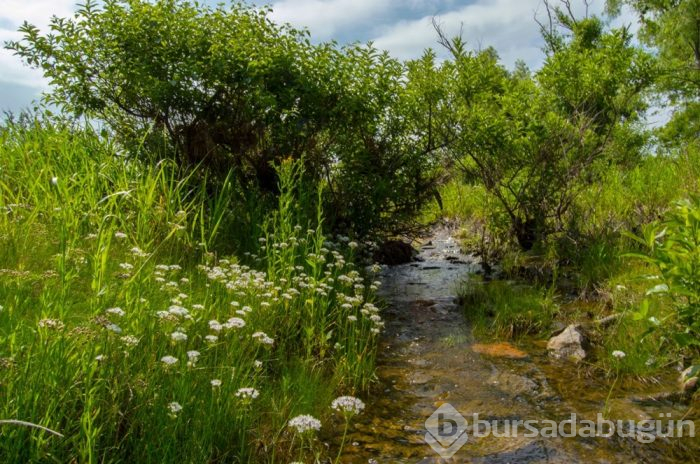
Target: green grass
x=507 y=309
x=109 y=265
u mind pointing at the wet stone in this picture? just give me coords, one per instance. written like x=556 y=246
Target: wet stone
x=419 y=378
x=513 y=384
x=499 y=350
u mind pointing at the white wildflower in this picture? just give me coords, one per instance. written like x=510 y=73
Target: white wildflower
x=119 y=312
x=247 y=393
x=263 y=338
x=178 y=336
x=138 y=252
x=114 y=328
x=348 y=405
x=234 y=323
x=618 y=354
x=168 y=360
x=179 y=311
x=192 y=358
x=174 y=407
x=211 y=338
x=305 y=423
x=215 y=383
x=51 y=324
x=129 y=340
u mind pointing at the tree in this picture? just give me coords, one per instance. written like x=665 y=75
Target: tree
x=232 y=90
x=537 y=141
x=672 y=27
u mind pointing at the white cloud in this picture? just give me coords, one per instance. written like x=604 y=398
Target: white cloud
x=12 y=15
x=325 y=18
x=507 y=25
x=504 y=24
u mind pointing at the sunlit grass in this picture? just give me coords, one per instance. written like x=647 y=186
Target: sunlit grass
x=124 y=329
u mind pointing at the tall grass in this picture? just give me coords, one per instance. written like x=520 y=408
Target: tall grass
x=507 y=309
x=125 y=329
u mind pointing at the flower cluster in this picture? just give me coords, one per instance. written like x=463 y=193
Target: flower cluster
x=247 y=393
x=305 y=423
x=348 y=405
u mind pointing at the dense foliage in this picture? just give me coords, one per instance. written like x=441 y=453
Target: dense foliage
x=536 y=142
x=672 y=27
x=672 y=249
x=232 y=90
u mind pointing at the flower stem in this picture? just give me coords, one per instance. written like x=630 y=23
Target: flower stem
x=605 y=408
x=342 y=442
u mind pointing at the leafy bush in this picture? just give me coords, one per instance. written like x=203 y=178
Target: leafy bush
x=537 y=141
x=673 y=248
x=234 y=92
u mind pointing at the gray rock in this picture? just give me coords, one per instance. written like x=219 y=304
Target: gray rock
x=689 y=379
x=557 y=328
x=569 y=344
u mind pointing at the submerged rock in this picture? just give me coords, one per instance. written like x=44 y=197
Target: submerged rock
x=499 y=350
x=513 y=384
x=689 y=379
x=569 y=344
x=393 y=252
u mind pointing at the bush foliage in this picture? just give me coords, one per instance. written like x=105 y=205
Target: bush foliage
x=234 y=91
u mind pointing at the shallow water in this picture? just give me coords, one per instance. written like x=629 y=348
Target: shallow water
x=426 y=360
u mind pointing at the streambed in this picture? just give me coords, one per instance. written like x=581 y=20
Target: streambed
x=429 y=358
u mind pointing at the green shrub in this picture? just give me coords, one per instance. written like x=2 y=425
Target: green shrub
x=227 y=90
x=673 y=248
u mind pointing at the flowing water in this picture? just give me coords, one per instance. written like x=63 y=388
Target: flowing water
x=427 y=359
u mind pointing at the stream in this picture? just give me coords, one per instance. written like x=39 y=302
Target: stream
x=428 y=358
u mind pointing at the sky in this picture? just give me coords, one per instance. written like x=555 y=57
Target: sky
x=403 y=27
